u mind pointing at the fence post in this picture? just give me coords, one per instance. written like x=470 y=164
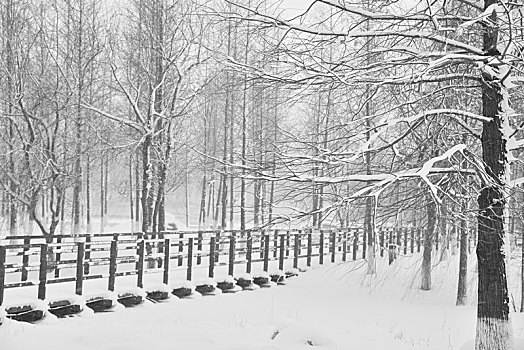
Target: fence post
x=140 y=266
x=217 y=247
x=43 y=272
x=333 y=246
x=232 y=241
x=288 y=242
x=58 y=256
x=212 y=246
x=189 y=259
x=321 y=248
x=355 y=245
x=139 y=237
x=25 y=258
x=296 y=252
x=199 y=248
x=266 y=252
x=79 y=268
x=249 y=253
x=281 y=258
x=300 y=242
x=167 y=260
x=87 y=254
x=2 y=273
x=160 y=249
x=180 y=249
x=309 y=248
x=112 y=263
x=345 y=246
x=275 y=244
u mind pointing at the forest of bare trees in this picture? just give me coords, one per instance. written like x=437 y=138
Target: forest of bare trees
x=234 y=114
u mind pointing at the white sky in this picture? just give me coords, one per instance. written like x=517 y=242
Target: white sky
x=295 y=6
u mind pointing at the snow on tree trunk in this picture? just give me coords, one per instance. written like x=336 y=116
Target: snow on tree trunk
x=493 y=325
x=369 y=227
x=462 y=290
x=444 y=231
x=428 y=244
x=146 y=184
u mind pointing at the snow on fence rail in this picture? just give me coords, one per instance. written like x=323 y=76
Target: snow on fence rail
x=29 y=260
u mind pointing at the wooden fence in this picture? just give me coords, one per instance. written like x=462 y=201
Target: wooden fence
x=34 y=260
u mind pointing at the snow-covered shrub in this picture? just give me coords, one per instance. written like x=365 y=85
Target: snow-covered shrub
x=31 y=311
x=261 y=278
x=66 y=306
x=206 y=286
x=278 y=277
x=158 y=292
x=103 y=301
x=132 y=297
x=228 y=284
x=244 y=280
x=182 y=288
x=292 y=272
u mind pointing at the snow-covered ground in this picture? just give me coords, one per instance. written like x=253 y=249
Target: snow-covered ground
x=330 y=307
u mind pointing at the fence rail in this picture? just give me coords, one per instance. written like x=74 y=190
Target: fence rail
x=36 y=260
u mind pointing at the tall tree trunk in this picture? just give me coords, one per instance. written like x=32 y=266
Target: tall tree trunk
x=106 y=186
x=147 y=181
x=137 y=192
x=428 y=243
x=131 y=211
x=462 y=290
x=217 y=204
x=444 y=231
x=77 y=188
x=102 y=196
x=10 y=65
x=493 y=325
x=186 y=187
x=244 y=135
x=88 y=194
x=369 y=225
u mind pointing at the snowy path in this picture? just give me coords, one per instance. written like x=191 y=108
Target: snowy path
x=316 y=310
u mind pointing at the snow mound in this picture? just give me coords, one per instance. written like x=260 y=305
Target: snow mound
x=33 y=311
x=97 y=297
x=261 y=274
x=205 y=282
x=292 y=272
x=33 y=304
x=177 y=284
x=136 y=291
x=245 y=276
x=252 y=287
x=161 y=287
x=113 y=296
x=225 y=279
x=71 y=299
